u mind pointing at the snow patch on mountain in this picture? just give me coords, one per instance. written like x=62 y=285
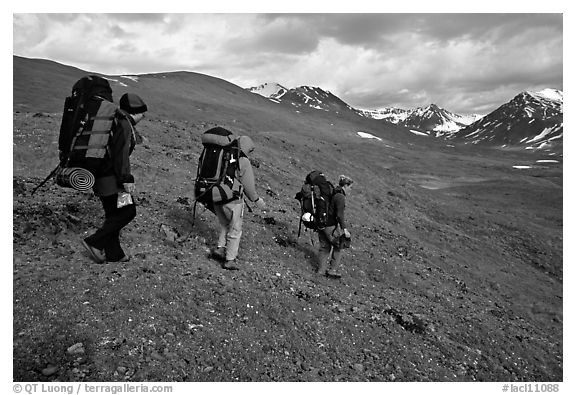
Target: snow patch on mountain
x=391 y=114
x=429 y=120
x=365 y=135
x=130 y=77
x=550 y=94
x=270 y=90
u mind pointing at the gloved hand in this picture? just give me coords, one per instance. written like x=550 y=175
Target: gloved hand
x=260 y=204
x=346 y=233
x=129 y=187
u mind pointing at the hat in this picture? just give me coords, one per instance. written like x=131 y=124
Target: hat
x=132 y=104
x=246 y=144
x=344 y=181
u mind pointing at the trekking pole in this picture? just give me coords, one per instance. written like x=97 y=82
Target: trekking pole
x=194 y=213
x=247 y=205
x=46 y=179
x=301 y=211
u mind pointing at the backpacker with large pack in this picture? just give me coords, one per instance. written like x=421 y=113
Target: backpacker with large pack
x=87 y=122
x=315 y=198
x=86 y=125
x=216 y=181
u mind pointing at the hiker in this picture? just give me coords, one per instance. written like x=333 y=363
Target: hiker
x=114 y=185
x=230 y=213
x=333 y=237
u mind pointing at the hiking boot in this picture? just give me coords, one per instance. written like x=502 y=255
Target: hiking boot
x=218 y=253
x=231 y=265
x=94 y=253
x=321 y=266
x=333 y=273
x=125 y=258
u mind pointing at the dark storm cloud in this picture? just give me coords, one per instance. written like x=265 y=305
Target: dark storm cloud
x=479 y=26
x=144 y=17
x=279 y=35
x=372 y=29
x=345 y=28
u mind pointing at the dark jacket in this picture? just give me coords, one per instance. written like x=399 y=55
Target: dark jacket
x=338 y=206
x=116 y=169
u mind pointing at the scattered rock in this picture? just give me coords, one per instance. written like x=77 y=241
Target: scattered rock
x=49 y=370
x=72 y=218
x=77 y=348
x=169 y=233
x=157 y=356
x=183 y=200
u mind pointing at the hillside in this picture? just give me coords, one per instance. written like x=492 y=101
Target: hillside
x=455 y=271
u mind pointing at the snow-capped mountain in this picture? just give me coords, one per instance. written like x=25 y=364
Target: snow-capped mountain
x=390 y=114
x=430 y=120
x=533 y=120
x=317 y=98
x=436 y=121
x=302 y=97
x=271 y=90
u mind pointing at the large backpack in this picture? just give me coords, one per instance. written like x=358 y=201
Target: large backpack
x=216 y=181
x=315 y=199
x=87 y=123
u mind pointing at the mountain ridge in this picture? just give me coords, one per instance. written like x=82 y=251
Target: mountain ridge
x=532 y=120
x=433 y=120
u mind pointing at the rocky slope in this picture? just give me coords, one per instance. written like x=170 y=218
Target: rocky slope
x=440 y=284
x=455 y=271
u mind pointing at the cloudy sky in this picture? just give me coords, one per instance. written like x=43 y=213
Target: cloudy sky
x=466 y=63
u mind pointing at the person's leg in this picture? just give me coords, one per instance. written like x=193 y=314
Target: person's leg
x=334 y=266
x=224 y=218
x=124 y=216
x=101 y=237
x=324 y=249
x=236 y=212
x=107 y=238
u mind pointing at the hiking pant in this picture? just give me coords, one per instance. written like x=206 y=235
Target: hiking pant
x=230 y=220
x=327 y=250
x=107 y=238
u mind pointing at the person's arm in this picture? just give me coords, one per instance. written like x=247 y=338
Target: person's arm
x=340 y=205
x=120 y=147
x=246 y=177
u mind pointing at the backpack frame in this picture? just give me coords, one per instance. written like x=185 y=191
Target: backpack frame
x=88 y=119
x=315 y=199
x=216 y=182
